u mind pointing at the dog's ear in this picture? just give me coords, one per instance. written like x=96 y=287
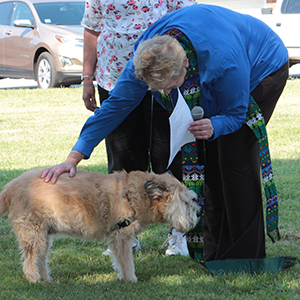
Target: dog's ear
x=155 y=188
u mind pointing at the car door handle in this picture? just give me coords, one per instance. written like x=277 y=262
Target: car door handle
x=8 y=32
x=278 y=24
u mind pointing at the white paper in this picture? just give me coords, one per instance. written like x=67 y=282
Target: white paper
x=180 y=121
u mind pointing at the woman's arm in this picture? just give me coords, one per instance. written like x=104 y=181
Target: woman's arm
x=89 y=64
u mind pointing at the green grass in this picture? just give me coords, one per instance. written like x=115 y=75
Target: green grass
x=38 y=129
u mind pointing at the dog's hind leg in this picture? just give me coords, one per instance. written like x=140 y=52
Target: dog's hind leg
x=34 y=247
x=122 y=256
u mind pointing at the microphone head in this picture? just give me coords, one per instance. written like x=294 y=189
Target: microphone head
x=197 y=113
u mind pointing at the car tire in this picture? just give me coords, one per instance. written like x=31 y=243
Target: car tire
x=45 y=72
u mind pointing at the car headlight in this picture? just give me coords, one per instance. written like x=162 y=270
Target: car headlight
x=69 y=41
x=65 y=61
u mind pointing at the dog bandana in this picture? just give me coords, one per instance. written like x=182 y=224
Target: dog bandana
x=194 y=174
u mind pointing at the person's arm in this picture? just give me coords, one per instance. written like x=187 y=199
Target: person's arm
x=89 y=64
x=125 y=97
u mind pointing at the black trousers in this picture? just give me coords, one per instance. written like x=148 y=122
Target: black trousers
x=233 y=221
x=128 y=146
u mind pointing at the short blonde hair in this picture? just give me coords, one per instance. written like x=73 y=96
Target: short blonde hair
x=158 y=60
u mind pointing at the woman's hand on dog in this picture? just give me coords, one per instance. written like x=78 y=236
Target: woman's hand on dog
x=68 y=166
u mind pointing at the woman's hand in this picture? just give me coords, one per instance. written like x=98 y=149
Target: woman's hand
x=202 y=129
x=68 y=166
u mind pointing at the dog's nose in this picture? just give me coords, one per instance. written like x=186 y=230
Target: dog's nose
x=198 y=213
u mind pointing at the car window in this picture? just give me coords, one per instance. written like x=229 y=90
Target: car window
x=293 y=7
x=62 y=13
x=6 y=10
x=22 y=12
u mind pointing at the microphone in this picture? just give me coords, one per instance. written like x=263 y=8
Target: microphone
x=197 y=114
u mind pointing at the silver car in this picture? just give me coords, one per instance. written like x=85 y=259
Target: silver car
x=42 y=40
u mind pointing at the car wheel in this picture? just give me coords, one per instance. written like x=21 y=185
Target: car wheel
x=45 y=72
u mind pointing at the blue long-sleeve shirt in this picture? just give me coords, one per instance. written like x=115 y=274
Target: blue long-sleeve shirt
x=235 y=53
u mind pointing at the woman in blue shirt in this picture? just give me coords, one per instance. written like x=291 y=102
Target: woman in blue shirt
x=229 y=57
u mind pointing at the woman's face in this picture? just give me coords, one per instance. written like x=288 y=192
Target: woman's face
x=176 y=82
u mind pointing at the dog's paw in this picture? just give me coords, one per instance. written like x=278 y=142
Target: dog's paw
x=49 y=278
x=133 y=279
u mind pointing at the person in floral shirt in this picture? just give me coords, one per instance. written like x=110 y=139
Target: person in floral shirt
x=118 y=25
x=111 y=30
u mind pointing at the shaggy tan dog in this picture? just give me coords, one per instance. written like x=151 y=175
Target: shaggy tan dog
x=93 y=207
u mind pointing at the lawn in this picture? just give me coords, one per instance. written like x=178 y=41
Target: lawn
x=38 y=129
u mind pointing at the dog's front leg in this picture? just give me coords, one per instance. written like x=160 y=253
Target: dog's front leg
x=120 y=243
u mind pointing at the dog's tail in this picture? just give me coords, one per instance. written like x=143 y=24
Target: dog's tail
x=4 y=201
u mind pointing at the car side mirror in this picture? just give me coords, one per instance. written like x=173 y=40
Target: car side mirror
x=24 y=23
x=267 y=11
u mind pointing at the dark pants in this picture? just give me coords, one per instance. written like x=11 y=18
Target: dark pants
x=128 y=146
x=233 y=221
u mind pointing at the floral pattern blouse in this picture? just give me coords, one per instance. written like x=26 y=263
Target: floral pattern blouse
x=120 y=24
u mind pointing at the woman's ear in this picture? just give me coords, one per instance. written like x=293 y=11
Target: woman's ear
x=186 y=63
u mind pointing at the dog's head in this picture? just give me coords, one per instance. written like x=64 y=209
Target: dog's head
x=177 y=204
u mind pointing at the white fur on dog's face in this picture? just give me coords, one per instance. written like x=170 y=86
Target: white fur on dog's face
x=184 y=212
